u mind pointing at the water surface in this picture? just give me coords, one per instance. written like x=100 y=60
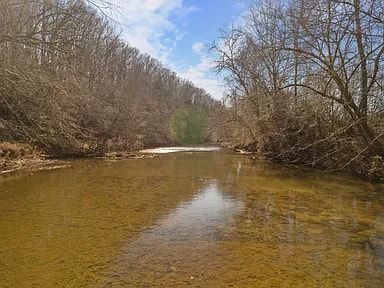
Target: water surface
x=202 y=219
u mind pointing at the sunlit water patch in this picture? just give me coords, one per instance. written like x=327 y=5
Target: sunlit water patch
x=166 y=150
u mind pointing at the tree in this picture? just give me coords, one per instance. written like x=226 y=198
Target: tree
x=306 y=79
x=71 y=86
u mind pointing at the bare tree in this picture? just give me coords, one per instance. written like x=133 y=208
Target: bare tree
x=307 y=78
x=71 y=86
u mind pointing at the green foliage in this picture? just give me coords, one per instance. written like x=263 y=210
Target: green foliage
x=189 y=124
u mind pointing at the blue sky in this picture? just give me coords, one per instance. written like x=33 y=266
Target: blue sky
x=178 y=33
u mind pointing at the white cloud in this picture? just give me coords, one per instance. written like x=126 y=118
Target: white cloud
x=153 y=26
x=146 y=24
x=198 y=48
x=201 y=74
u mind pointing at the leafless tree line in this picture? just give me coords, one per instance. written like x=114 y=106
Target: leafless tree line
x=71 y=86
x=305 y=83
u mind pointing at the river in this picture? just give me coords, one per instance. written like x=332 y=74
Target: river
x=189 y=219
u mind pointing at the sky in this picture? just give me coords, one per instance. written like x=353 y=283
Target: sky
x=179 y=33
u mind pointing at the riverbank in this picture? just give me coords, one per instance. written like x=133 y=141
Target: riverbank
x=374 y=173
x=18 y=156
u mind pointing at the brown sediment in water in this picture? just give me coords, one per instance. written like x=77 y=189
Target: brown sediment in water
x=190 y=220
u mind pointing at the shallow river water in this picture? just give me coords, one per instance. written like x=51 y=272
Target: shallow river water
x=201 y=219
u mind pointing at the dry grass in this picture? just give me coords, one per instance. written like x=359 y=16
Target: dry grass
x=15 y=150
x=14 y=156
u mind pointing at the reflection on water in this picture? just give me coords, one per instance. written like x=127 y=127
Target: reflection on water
x=190 y=220
x=199 y=219
x=195 y=225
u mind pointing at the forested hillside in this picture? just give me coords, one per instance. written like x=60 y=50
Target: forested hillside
x=70 y=86
x=305 y=81
x=304 y=78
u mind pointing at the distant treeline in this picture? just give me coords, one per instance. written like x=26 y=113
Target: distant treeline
x=71 y=86
x=306 y=83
